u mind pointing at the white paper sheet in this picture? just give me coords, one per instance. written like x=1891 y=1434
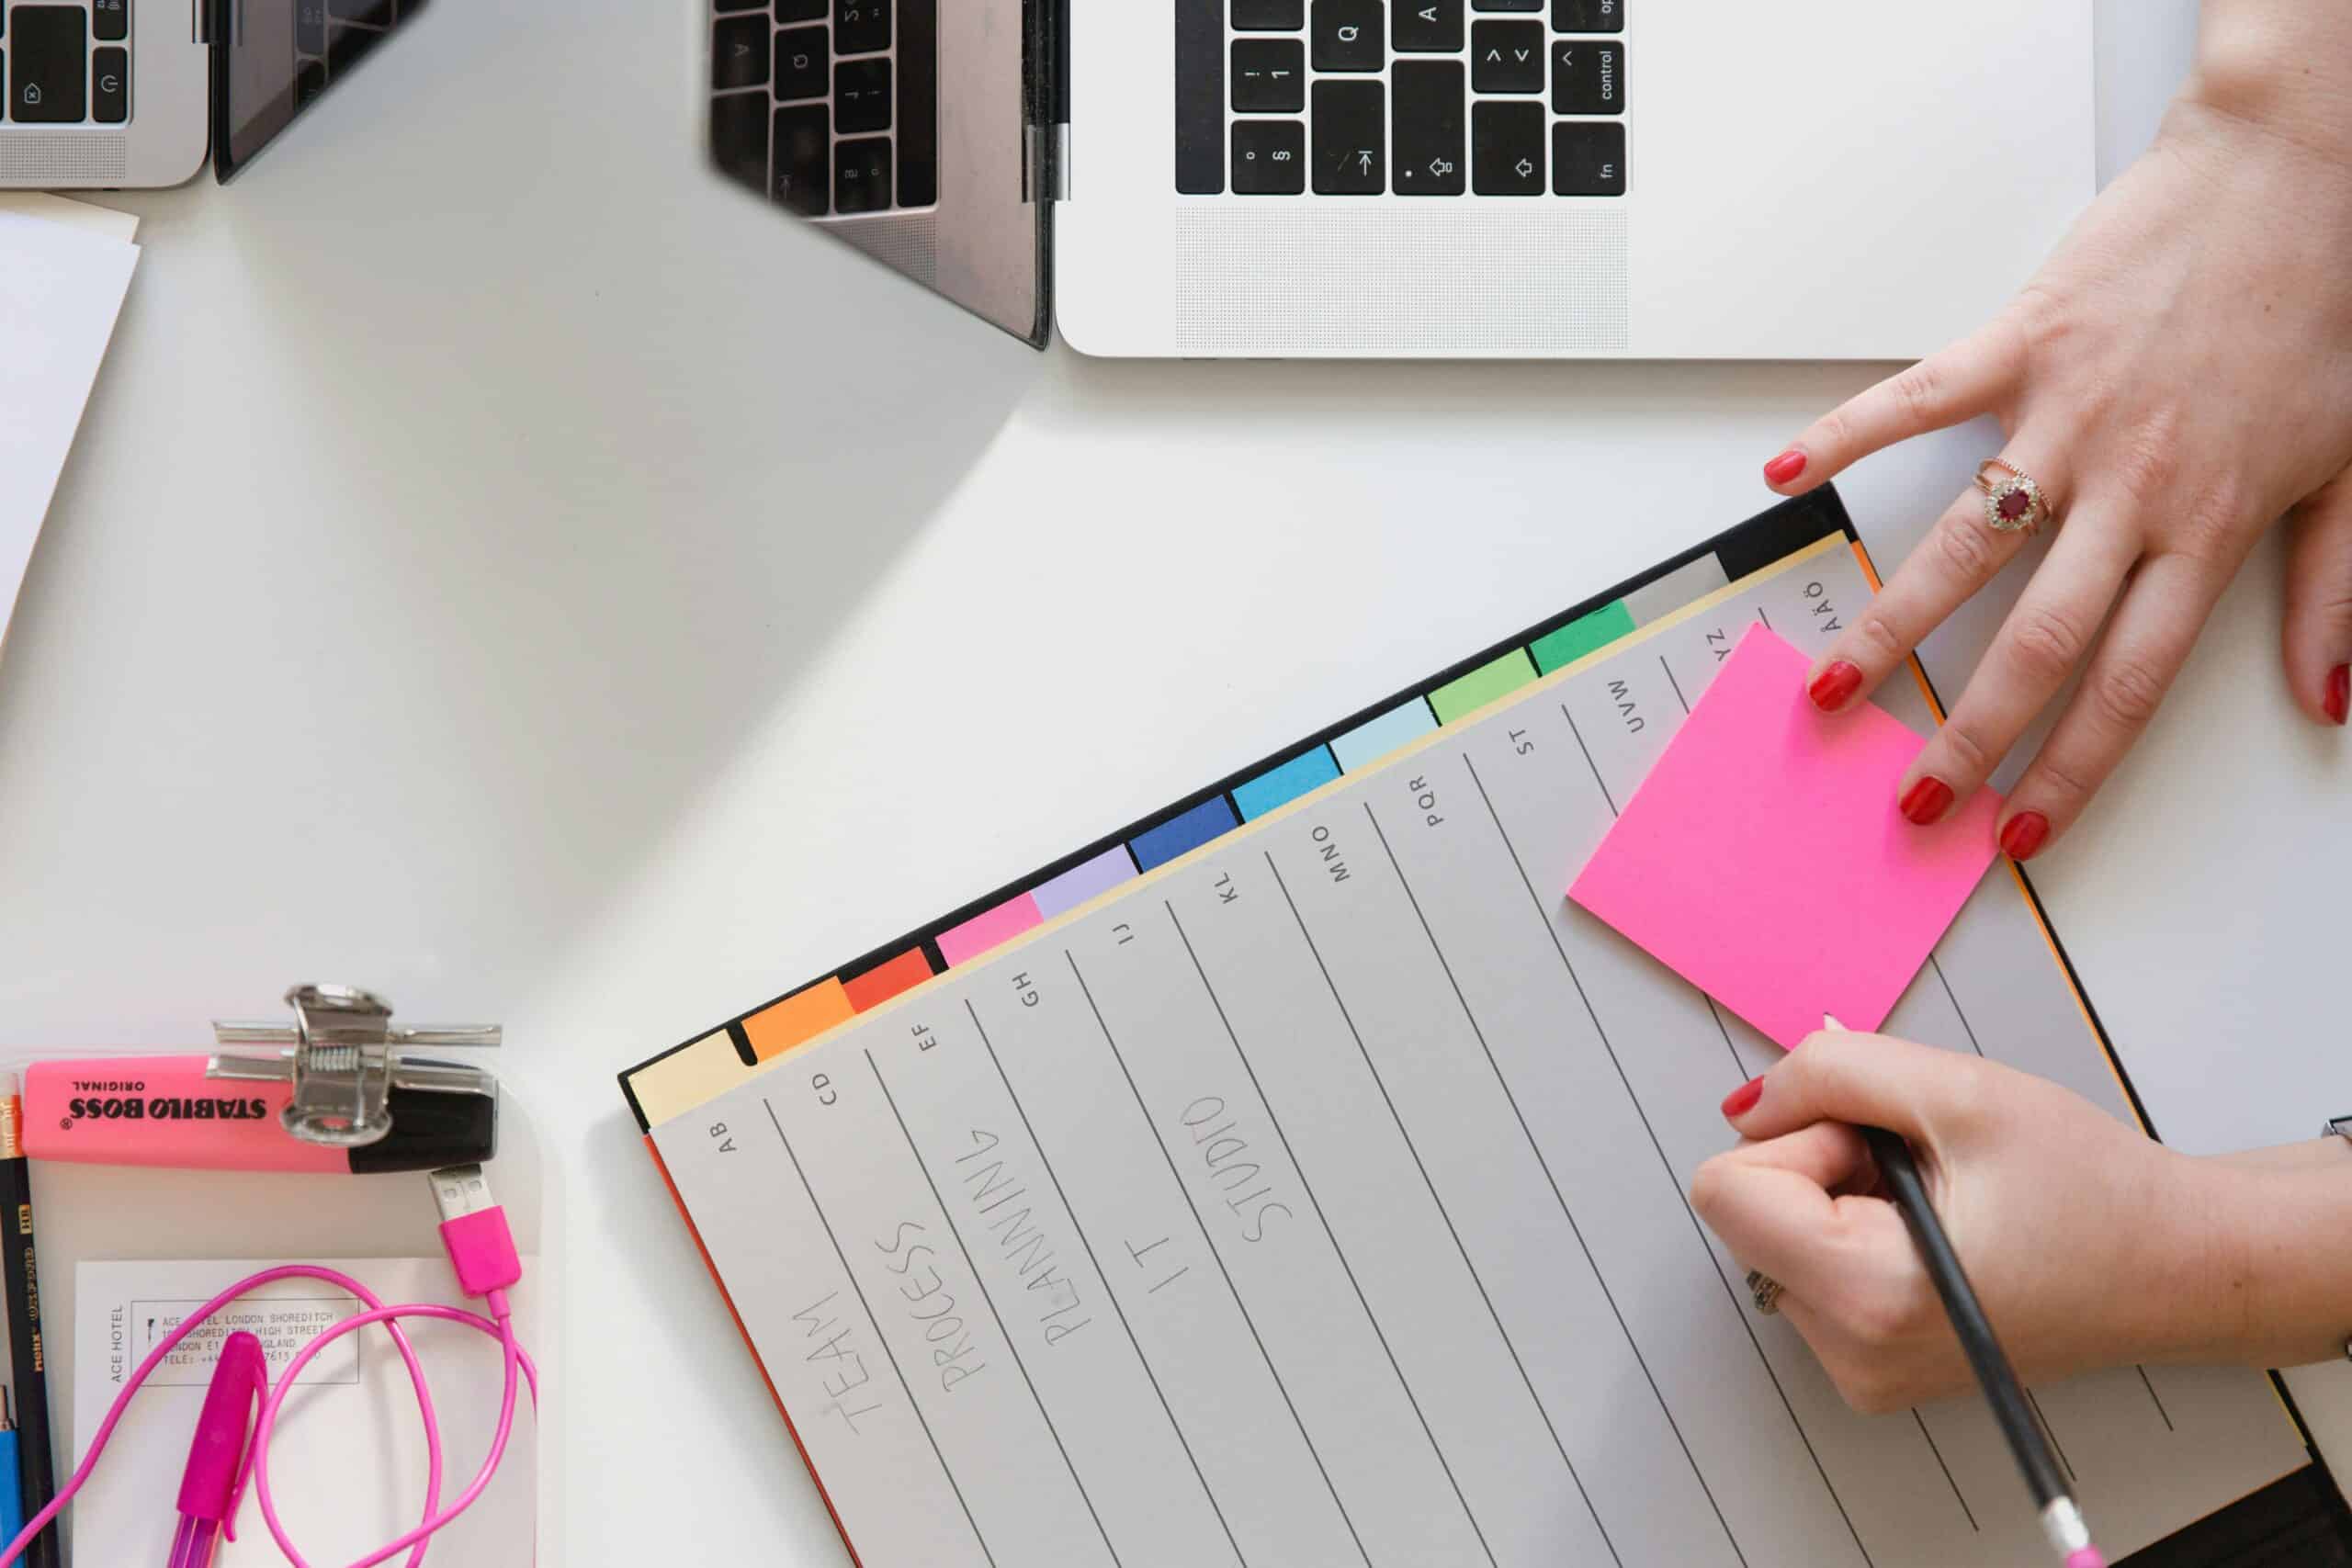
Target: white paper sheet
x=347 y=1460
x=64 y=268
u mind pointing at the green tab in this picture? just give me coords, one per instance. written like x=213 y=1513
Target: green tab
x=1468 y=694
x=1580 y=637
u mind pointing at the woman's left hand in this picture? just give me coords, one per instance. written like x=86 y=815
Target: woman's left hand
x=2178 y=376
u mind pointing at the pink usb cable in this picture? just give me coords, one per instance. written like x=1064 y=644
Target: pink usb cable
x=481 y=1252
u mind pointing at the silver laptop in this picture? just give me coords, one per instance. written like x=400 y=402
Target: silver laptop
x=120 y=93
x=1455 y=178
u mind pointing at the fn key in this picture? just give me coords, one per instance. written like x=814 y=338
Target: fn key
x=1588 y=158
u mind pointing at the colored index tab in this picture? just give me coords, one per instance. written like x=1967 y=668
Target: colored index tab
x=887 y=979
x=803 y=1015
x=1495 y=679
x=1304 y=774
x=1558 y=649
x=1764 y=861
x=1211 y=818
x=1376 y=738
x=1086 y=880
x=989 y=928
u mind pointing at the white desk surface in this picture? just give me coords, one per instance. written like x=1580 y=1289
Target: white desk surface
x=502 y=568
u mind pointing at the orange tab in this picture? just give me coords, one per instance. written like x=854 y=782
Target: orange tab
x=801 y=1016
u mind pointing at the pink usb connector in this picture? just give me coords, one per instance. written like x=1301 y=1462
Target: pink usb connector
x=474 y=1230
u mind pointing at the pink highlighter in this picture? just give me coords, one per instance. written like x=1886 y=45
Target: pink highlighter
x=216 y=1460
x=229 y=1112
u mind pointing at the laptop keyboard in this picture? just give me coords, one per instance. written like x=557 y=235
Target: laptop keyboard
x=330 y=37
x=66 y=64
x=69 y=64
x=1403 y=97
x=830 y=108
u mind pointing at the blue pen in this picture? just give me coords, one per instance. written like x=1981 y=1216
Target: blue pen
x=12 y=1504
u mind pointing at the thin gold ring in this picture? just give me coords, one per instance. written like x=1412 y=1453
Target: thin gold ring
x=2014 y=502
x=1766 y=1292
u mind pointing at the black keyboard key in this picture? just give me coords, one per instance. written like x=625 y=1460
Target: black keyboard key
x=346 y=45
x=1588 y=158
x=1507 y=5
x=1588 y=15
x=738 y=137
x=310 y=26
x=1428 y=143
x=739 y=53
x=917 y=102
x=1269 y=76
x=1269 y=15
x=1200 y=97
x=1587 y=78
x=790 y=11
x=1269 y=157
x=110 y=20
x=1507 y=57
x=801 y=57
x=48 y=63
x=1506 y=148
x=375 y=13
x=309 y=81
x=1350 y=139
x=860 y=96
x=1350 y=35
x=861 y=26
x=110 y=85
x=862 y=175
x=1429 y=26
x=803 y=175
x=725 y=5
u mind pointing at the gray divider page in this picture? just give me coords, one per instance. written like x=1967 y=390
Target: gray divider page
x=1318 y=1199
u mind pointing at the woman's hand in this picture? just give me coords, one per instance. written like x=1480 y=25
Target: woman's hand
x=2177 y=376
x=2089 y=1243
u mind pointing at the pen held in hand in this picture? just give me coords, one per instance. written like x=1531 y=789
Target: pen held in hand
x=2062 y=1516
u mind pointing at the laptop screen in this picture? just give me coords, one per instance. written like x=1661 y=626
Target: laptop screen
x=272 y=58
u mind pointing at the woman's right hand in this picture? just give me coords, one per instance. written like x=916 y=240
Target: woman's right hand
x=2090 y=1244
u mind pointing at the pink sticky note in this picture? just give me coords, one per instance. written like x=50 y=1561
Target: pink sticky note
x=1764 y=861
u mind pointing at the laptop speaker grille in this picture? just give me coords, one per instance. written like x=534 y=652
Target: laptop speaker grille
x=34 y=156
x=1467 y=279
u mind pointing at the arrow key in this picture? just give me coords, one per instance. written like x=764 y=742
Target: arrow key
x=1507 y=57
x=1351 y=155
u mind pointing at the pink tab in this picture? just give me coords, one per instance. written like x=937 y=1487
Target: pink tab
x=989 y=928
x=1764 y=861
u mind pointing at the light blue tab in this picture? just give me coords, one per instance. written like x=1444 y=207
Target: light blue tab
x=1375 y=739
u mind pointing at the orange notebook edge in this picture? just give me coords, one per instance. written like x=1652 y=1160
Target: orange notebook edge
x=710 y=1263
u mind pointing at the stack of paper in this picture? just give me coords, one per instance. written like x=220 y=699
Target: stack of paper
x=65 y=267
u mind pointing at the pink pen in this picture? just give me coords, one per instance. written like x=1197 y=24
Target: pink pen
x=217 y=1459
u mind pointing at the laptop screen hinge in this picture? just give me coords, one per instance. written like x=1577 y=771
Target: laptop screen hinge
x=1048 y=173
x=1046 y=162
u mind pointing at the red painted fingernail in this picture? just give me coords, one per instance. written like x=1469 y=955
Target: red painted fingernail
x=2339 y=695
x=2025 y=834
x=1924 y=802
x=1784 y=468
x=1742 y=1100
x=1834 y=685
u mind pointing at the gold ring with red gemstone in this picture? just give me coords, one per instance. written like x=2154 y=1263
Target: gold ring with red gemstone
x=2013 y=502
